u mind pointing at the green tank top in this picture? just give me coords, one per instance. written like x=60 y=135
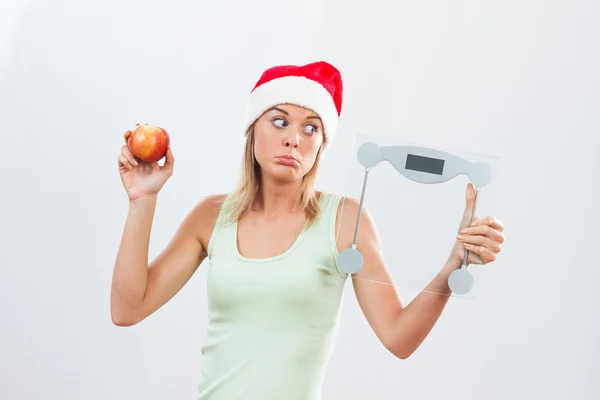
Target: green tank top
x=272 y=321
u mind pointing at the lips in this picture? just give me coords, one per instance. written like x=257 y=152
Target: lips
x=287 y=160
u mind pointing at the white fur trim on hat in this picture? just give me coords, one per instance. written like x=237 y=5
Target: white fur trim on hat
x=295 y=90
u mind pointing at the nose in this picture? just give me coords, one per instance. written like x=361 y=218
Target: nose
x=292 y=139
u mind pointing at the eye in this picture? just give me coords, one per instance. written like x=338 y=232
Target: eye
x=280 y=122
x=311 y=129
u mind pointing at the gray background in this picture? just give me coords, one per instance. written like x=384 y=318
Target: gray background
x=513 y=79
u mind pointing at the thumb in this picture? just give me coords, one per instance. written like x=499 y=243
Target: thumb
x=470 y=196
x=169 y=159
x=469 y=203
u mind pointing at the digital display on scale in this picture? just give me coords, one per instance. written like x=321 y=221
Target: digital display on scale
x=424 y=164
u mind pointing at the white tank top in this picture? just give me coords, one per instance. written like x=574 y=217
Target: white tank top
x=272 y=321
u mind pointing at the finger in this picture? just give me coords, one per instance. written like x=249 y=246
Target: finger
x=479 y=240
x=169 y=159
x=129 y=155
x=470 y=198
x=128 y=132
x=476 y=218
x=471 y=193
x=124 y=162
x=486 y=255
x=475 y=258
x=491 y=221
x=466 y=220
x=468 y=215
x=484 y=230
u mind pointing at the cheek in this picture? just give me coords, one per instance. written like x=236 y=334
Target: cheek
x=262 y=145
x=310 y=153
x=312 y=147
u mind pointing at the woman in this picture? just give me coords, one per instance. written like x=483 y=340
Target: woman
x=274 y=287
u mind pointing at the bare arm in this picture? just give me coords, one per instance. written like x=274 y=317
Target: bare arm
x=401 y=329
x=139 y=288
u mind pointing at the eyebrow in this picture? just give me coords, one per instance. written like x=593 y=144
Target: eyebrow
x=286 y=113
x=280 y=110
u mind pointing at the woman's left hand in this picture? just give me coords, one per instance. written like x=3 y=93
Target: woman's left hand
x=483 y=238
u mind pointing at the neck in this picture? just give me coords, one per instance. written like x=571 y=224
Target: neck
x=278 y=197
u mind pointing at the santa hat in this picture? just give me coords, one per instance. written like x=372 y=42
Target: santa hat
x=316 y=86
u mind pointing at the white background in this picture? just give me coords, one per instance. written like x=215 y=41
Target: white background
x=514 y=79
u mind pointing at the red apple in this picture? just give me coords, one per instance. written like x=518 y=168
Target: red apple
x=148 y=143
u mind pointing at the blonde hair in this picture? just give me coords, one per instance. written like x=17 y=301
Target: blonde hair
x=242 y=198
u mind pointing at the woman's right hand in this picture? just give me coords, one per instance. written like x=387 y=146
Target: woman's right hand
x=140 y=178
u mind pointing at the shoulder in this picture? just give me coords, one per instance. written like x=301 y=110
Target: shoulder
x=346 y=219
x=348 y=209
x=210 y=206
x=205 y=214
x=345 y=205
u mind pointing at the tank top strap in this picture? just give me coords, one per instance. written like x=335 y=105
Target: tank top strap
x=219 y=224
x=329 y=207
x=334 y=203
x=327 y=226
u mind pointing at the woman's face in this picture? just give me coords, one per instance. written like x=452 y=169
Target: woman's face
x=287 y=139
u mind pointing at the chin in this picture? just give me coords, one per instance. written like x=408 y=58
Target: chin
x=284 y=173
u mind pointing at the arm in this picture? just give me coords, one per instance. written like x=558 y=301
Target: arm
x=401 y=329
x=139 y=288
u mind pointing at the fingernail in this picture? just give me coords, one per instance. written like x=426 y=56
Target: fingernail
x=460 y=237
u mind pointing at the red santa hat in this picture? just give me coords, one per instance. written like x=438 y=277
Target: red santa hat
x=316 y=86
